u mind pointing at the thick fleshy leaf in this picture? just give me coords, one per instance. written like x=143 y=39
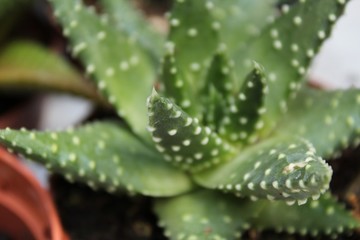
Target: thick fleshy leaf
x=242 y=20
x=129 y=20
x=322 y=216
x=123 y=72
x=234 y=114
x=203 y=215
x=220 y=75
x=174 y=84
x=330 y=120
x=103 y=155
x=193 y=40
x=243 y=117
x=218 y=90
x=182 y=139
x=277 y=168
x=28 y=65
x=286 y=47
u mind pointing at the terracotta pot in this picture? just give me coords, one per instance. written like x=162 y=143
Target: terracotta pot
x=26 y=209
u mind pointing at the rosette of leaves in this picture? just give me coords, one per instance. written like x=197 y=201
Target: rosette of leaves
x=230 y=139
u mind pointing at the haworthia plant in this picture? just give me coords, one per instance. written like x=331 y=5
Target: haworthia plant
x=225 y=147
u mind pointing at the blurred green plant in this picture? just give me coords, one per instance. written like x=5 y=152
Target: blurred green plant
x=235 y=138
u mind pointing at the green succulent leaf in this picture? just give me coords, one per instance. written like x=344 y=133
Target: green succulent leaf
x=174 y=83
x=41 y=69
x=212 y=215
x=241 y=21
x=182 y=139
x=286 y=47
x=243 y=117
x=277 y=168
x=203 y=215
x=216 y=107
x=323 y=216
x=124 y=75
x=331 y=122
x=234 y=114
x=103 y=155
x=193 y=39
x=218 y=89
x=220 y=75
x=130 y=20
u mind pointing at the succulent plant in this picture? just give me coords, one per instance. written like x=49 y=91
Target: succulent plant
x=230 y=138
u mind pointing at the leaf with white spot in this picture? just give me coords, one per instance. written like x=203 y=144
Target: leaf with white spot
x=174 y=83
x=234 y=114
x=286 y=47
x=193 y=39
x=103 y=155
x=277 y=168
x=218 y=89
x=40 y=70
x=216 y=107
x=243 y=116
x=220 y=75
x=322 y=216
x=182 y=139
x=130 y=20
x=122 y=70
x=330 y=120
x=203 y=215
x=241 y=21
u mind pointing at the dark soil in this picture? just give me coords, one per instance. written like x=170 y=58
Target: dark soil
x=89 y=215
x=4 y=237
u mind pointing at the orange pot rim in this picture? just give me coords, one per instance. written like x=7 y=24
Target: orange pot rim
x=52 y=220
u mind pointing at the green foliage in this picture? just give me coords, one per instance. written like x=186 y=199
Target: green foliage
x=124 y=75
x=332 y=122
x=277 y=168
x=250 y=15
x=102 y=155
x=223 y=216
x=182 y=139
x=286 y=47
x=26 y=64
x=241 y=111
x=134 y=24
x=225 y=144
x=324 y=216
x=190 y=217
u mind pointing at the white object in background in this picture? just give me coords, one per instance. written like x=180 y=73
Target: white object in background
x=62 y=111
x=338 y=63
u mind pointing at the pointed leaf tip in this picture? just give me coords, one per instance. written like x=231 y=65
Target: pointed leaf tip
x=182 y=139
x=279 y=168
